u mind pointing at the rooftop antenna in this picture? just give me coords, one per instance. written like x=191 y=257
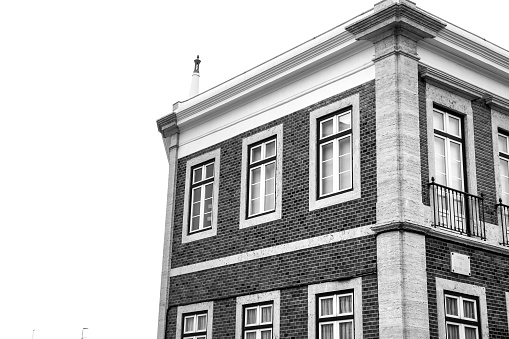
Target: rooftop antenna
x=195 y=80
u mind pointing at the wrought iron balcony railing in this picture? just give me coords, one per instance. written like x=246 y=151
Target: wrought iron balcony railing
x=503 y=214
x=457 y=211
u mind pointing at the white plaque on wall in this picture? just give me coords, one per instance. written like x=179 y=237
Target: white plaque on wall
x=460 y=263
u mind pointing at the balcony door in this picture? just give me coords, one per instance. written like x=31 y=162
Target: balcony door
x=449 y=170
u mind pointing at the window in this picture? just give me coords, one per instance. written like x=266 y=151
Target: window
x=258 y=321
x=335 y=316
x=258 y=316
x=448 y=139
x=262 y=178
x=195 y=326
x=461 y=310
x=503 y=155
x=335 y=310
x=335 y=153
x=201 y=196
x=202 y=187
x=461 y=317
x=194 y=321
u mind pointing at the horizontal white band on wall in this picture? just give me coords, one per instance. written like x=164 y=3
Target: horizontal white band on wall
x=326 y=239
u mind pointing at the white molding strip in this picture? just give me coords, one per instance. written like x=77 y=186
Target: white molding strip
x=275 y=250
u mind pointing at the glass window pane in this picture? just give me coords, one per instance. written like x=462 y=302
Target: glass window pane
x=344 y=122
x=454 y=126
x=208 y=191
x=344 y=163
x=326 y=331
x=470 y=333
x=327 y=168
x=344 y=146
x=453 y=331
x=202 y=322
x=270 y=148
x=255 y=191
x=346 y=330
x=209 y=171
x=207 y=205
x=344 y=304
x=438 y=120
x=196 y=209
x=266 y=334
x=505 y=184
x=207 y=220
x=195 y=224
x=250 y=335
x=451 y=306
x=327 y=128
x=266 y=314
x=469 y=309
x=502 y=143
x=201 y=337
x=270 y=170
x=504 y=167
x=327 y=186
x=196 y=194
x=439 y=146
x=256 y=153
x=256 y=175
x=197 y=175
x=345 y=180
x=251 y=316
x=189 y=324
x=269 y=186
x=269 y=204
x=326 y=306
x=327 y=151
x=255 y=206
x=455 y=151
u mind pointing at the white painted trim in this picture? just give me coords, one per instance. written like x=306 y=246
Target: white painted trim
x=278 y=132
x=464 y=107
x=215 y=154
x=275 y=250
x=205 y=306
x=468 y=289
x=315 y=203
x=336 y=286
x=274 y=296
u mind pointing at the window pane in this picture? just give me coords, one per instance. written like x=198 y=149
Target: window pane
x=250 y=335
x=196 y=194
x=251 y=316
x=189 y=324
x=208 y=206
x=502 y=143
x=469 y=309
x=327 y=128
x=201 y=337
x=209 y=171
x=202 y=322
x=255 y=191
x=270 y=170
x=255 y=206
x=269 y=186
x=470 y=333
x=326 y=305
x=197 y=175
x=266 y=334
x=451 y=306
x=327 y=168
x=256 y=153
x=327 y=185
x=207 y=220
x=208 y=191
x=504 y=167
x=269 y=202
x=267 y=314
x=196 y=209
x=344 y=122
x=256 y=175
x=454 y=126
x=326 y=331
x=344 y=163
x=455 y=151
x=453 y=331
x=345 y=180
x=195 y=224
x=344 y=146
x=438 y=120
x=344 y=304
x=270 y=149
x=346 y=330
x=327 y=151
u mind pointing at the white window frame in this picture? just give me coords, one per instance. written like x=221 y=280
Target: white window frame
x=211 y=231
x=505 y=157
x=260 y=164
x=202 y=184
x=456 y=319
x=195 y=331
x=316 y=202
x=330 y=287
x=254 y=299
x=443 y=286
x=246 y=220
x=207 y=307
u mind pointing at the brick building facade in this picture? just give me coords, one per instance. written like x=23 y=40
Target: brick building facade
x=348 y=188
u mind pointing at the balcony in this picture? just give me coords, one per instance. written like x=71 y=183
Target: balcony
x=503 y=216
x=457 y=211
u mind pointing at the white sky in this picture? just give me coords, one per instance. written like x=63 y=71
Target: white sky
x=83 y=172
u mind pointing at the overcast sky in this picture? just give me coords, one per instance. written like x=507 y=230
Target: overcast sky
x=83 y=173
